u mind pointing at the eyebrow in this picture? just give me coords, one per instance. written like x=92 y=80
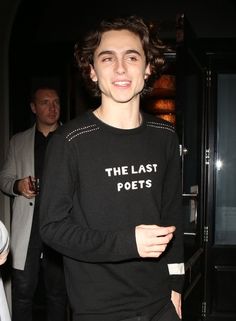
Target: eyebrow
x=110 y=52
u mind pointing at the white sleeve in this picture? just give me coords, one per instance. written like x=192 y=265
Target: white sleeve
x=4 y=238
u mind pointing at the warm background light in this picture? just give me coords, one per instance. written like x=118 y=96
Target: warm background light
x=161 y=102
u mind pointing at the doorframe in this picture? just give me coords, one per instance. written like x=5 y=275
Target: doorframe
x=209 y=184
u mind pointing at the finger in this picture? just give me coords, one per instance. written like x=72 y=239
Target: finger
x=154 y=249
x=157 y=240
x=163 y=239
x=149 y=226
x=162 y=231
x=25 y=194
x=154 y=254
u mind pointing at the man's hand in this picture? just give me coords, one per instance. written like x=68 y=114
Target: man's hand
x=152 y=240
x=24 y=187
x=176 y=300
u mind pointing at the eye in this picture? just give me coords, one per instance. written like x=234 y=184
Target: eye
x=107 y=59
x=132 y=58
x=43 y=102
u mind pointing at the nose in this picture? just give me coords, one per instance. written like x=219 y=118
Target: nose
x=53 y=105
x=120 y=66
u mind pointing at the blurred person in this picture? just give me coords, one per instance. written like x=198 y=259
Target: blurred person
x=111 y=190
x=4 y=243
x=4 y=250
x=20 y=178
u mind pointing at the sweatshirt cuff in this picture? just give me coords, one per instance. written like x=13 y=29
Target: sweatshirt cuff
x=128 y=244
x=177 y=283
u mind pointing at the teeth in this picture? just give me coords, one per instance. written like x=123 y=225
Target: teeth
x=121 y=83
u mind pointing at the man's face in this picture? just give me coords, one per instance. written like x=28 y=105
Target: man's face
x=120 y=66
x=46 y=107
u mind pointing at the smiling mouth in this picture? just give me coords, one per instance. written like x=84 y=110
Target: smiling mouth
x=121 y=83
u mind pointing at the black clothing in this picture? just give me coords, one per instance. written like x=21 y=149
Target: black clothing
x=40 y=146
x=25 y=284
x=167 y=313
x=99 y=183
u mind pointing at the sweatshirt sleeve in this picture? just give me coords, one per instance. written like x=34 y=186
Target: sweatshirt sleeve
x=60 y=208
x=172 y=214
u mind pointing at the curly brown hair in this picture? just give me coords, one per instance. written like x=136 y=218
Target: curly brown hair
x=153 y=48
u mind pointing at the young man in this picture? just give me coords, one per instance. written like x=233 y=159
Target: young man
x=24 y=163
x=111 y=199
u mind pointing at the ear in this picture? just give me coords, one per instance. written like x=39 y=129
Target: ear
x=93 y=74
x=147 y=72
x=32 y=106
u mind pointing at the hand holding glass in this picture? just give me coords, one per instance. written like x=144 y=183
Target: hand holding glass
x=34 y=184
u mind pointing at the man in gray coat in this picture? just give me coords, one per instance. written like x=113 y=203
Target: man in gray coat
x=20 y=179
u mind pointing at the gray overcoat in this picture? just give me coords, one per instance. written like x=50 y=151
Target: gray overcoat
x=19 y=163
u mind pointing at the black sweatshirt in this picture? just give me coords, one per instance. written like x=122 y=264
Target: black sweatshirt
x=99 y=183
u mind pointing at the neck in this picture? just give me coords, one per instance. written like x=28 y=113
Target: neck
x=124 y=121
x=46 y=129
x=124 y=116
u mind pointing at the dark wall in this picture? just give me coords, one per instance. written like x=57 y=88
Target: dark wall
x=44 y=33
